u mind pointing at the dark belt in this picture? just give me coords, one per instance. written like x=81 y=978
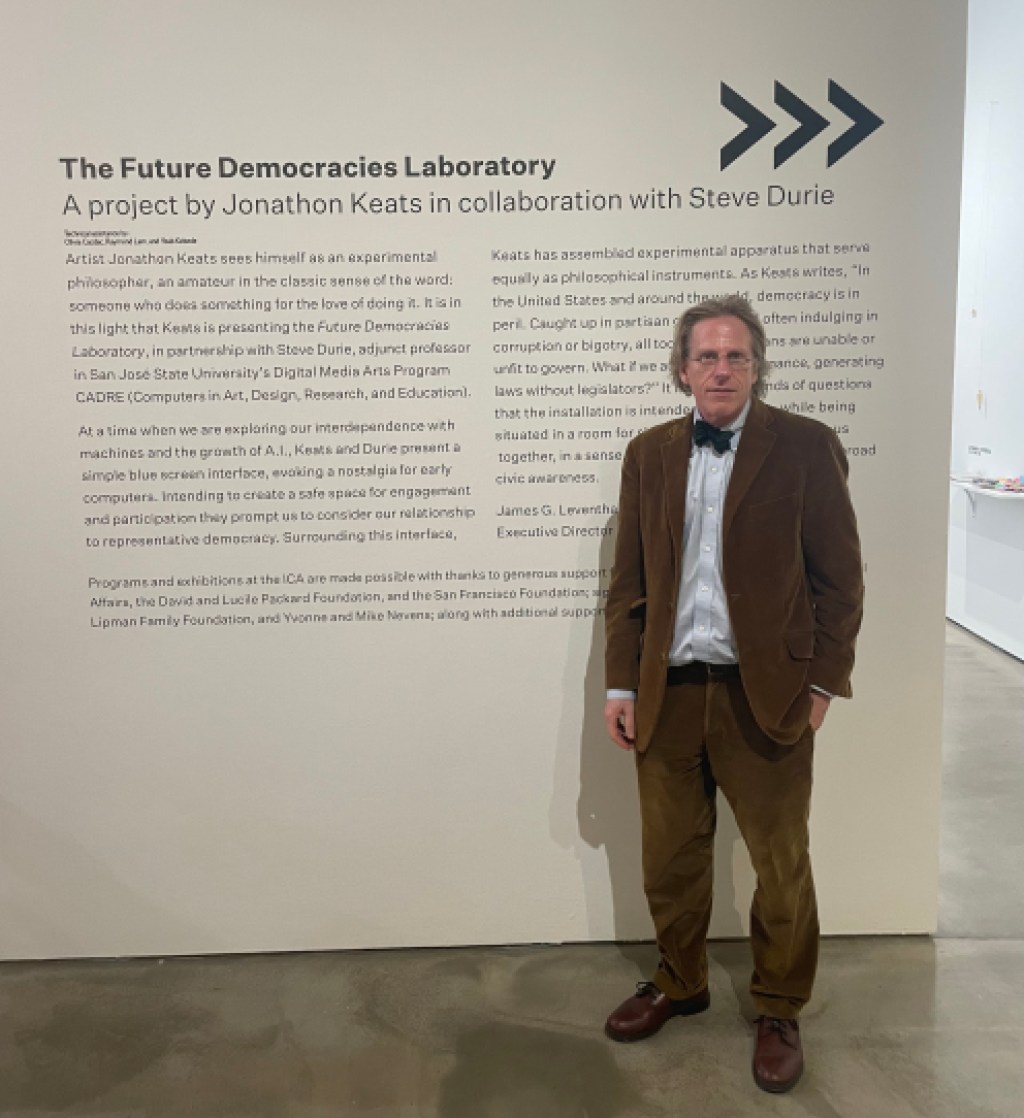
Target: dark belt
x=697 y=671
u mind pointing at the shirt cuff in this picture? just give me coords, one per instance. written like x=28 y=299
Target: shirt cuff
x=614 y=693
x=822 y=691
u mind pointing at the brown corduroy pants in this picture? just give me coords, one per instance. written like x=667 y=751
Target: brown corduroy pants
x=707 y=738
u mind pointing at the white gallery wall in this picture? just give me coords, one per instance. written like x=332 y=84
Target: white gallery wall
x=986 y=539
x=325 y=327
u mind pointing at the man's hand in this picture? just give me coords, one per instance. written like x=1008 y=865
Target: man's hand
x=620 y=719
x=819 y=708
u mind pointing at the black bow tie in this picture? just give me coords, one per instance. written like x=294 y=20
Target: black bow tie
x=704 y=433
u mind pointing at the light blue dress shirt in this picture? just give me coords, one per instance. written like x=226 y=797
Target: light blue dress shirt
x=703 y=630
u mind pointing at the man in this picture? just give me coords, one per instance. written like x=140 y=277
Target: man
x=733 y=607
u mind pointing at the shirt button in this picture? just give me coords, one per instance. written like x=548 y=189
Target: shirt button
x=711 y=508
x=705 y=589
x=707 y=547
x=701 y=628
x=714 y=469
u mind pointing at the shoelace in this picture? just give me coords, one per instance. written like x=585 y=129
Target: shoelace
x=787 y=1030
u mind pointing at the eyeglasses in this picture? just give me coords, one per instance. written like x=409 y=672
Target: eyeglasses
x=708 y=360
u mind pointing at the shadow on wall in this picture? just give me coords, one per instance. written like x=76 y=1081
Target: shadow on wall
x=607 y=811
x=59 y=894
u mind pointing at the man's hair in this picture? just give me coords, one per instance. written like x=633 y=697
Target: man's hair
x=735 y=306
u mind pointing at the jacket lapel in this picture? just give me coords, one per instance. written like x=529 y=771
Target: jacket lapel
x=675 y=464
x=755 y=445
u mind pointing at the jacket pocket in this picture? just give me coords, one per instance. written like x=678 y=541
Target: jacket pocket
x=773 y=504
x=800 y=643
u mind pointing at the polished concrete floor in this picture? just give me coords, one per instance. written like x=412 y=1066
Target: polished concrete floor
x=982 y=849
x=899 y=1028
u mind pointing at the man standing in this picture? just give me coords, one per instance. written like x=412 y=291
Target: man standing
x=732 y=612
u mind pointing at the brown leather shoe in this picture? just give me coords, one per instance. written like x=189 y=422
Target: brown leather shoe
x=778 y=1054
x=648 y=1009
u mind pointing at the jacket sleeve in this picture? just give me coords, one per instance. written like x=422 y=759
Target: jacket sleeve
x=835 y=574
x=625 y=607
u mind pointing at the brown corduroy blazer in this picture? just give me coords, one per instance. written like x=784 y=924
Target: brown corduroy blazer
x=791 y=567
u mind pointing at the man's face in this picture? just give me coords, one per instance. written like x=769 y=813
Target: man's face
x=720 y=369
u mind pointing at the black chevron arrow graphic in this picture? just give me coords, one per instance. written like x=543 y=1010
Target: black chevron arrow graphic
x=757 y=125
x=811 y=123
x=864 y=122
